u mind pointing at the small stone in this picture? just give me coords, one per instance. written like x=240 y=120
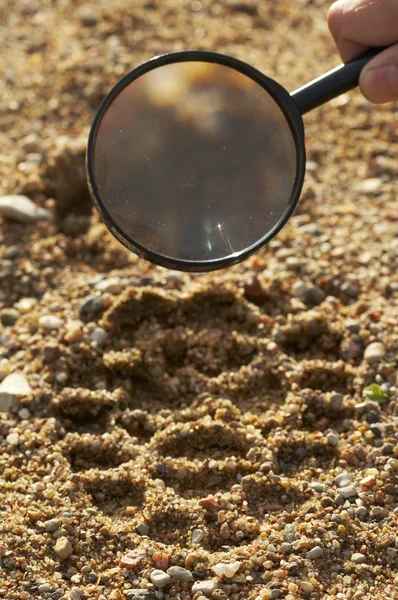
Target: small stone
x=180 y=574
x=22 y=209
x=50 y=322
x=333 y=439
x=99 y=335
x=204 y=587
x=88 y=15
x=348 y=492
x=316 y=552
x=361 y=512
x=209 y=503
x=285 y=548
x=24 y=414
x=374 y=352
x=25 y=305
x=369 y=186
x=112 y=285
x=306 y=587
x=12 y=439
x=358 y=558
x=343 y=479
x=9 y=316
x=63 y=548
x=132 y=559
x=299 y=289
x=75 y=594
x=142 y=529
x=317 y=487
x=336 y=401
x=289 y=533
x=378 y=513
x=44 y=588
x=138 y=594
x=368 y=481
x=159 y=578
x=197 y=536
x=350 y=289
x=13 y=387
x=227 y=569
x=52 y=525
x=91 y=305
x=60 y=533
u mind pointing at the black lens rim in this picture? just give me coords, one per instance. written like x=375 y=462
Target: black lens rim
x=277 y=92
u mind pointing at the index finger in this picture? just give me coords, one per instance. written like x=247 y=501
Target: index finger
x=360 y=24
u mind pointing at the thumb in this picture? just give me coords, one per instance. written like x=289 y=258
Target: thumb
x=379 y=79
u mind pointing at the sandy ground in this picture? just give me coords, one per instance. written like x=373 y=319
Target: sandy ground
x=194 y=436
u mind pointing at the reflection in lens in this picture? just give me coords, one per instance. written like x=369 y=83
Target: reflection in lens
x=195 y=161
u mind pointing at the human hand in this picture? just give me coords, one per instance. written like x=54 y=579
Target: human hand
x=357 y=25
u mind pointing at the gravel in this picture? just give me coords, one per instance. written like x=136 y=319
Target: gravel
x=374 y=352
x=204 y=407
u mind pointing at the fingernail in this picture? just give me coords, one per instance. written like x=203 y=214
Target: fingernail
x=380 y=84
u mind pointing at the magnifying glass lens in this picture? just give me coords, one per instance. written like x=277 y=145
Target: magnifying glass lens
x=194 y=161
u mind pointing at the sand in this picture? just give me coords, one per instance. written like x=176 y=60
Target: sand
x=225 y=436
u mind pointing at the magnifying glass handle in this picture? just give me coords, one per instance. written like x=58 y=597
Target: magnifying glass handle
x=338 y=81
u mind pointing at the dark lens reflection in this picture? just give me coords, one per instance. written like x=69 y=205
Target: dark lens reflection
x=195 y=161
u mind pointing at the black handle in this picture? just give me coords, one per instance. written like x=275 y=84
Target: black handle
x=340 y=80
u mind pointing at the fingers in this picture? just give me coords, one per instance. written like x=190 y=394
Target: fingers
x=379 y=79
x=360 y=24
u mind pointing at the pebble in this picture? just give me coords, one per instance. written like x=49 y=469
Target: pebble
x=24 y=414
x=50 y=322
x=358 y=558
x=317 y=487
x=204 y=587
x=88 y=15
x=12 y=387
x=9 y=316
x=378 y=513
x=180 y=573
x=138 y=595
x=51 y=525
x=315 y=553
x=63 y=548
x=75 y=594
x=112 y=285
x=333 y=439
x=368 y=481
x=343 y=479
x=374 y=352
x=227 y=569
x=99 y=335
x=336 y=401
x=361 y=512
x=44 y=588
x=159 y=578
x=142 y=529
x=22 y=209
x=197 y=536
x=12 y=439
x=306 y=587
x=91 y=305
x=274 y=594
x=348 y=492
x=369 y=186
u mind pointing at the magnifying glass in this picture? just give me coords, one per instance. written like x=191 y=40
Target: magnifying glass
x=196 y=160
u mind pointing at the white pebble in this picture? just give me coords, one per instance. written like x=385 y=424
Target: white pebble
x=343 y=479
x=50 y=322
x=22 y=209
x=227 y=569
x=24 y=413
x=358 y=558
x=374 y=352
x=12 y=387
x=99 y=336
x=160 y=578
x=197 y=536
x=333 y=439
x=12 y=439
x=315 y=553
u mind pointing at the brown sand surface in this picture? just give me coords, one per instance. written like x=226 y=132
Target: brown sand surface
x=184 y=436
